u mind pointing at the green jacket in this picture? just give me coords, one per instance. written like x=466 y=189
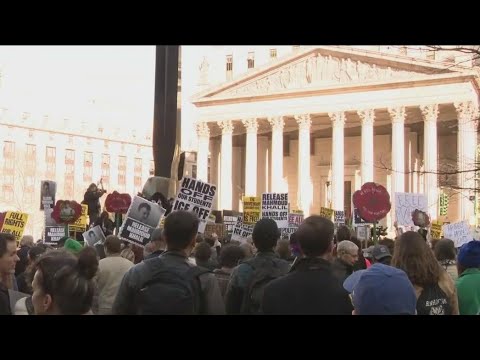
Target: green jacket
x=468 y=289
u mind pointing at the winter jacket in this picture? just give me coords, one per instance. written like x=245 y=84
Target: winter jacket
x=468 y=287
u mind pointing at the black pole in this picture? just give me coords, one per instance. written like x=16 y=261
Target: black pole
x=165 y=109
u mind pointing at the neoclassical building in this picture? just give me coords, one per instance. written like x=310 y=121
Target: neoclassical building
x=319 y=121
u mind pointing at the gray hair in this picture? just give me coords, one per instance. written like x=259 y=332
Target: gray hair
x=346 y=247
x=27 y=240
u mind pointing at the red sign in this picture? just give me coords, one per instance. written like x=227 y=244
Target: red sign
x=372 y=202
x=118 y=203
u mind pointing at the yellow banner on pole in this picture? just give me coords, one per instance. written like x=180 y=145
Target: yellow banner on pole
x=326 y=213
x=15 y=223
x=251 y=209
x=436 y=230
x=81 y=223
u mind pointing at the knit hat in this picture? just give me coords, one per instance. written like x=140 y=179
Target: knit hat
x=73 y=246
x=469 y=255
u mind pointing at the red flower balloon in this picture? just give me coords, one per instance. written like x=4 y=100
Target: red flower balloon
x=420 y=218
x=118 y=203
x=66 y=211
x=372 y=202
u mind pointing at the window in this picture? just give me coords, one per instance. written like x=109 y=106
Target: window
x=106 y=169
x=138 y=174
x=8 y=170
x=152 y=168
x=8 y=149
x=69 y=186
x=31 y=160
x=251 y=60
x=431 y=55
x=229 y=67
x=87 y=167
x=29 y=189
x=273 y=53
x=122 y=171
x=50 y=159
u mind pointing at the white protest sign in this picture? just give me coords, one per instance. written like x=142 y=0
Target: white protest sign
x=362 y=232
x=275 y=206
x=241 y=231
x=458 y=232
x=196 y=196
x=405 y=204
x=142 y=218
x=339 y=217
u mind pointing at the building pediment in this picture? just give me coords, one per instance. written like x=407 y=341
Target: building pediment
x=323 y=67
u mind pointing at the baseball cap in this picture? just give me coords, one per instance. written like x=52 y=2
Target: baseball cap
x=381 y=290
x=380 y=251
x=469 y=255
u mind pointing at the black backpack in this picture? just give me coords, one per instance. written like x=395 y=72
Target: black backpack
x=171 y=291
x=264 y=271
x=433 y=301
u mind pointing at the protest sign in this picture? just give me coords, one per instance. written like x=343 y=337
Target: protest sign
x=81 y=223
x=218 y=229
x=326 y=213
x=230 y=219
x=339 y=217
x=141 y=220
x=14 y=223
x=458 y=232
x=436 y=230
x=275 y=206
x=53 y=234
x=196 y=196
x=362 y=232
x=47 y=194
x=357 y=220
x=94 y=236
x=241 y=231
x=406 y=204
x=251 y=209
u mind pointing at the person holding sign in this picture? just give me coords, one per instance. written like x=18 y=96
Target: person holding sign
x=91 y=198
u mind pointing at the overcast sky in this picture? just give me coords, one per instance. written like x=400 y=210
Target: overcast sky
x=63 y=80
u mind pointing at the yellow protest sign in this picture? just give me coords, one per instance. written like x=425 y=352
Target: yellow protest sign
x=326 y=212
x=81 y=223
x=251 y=209
x=436 y=230
x=15 y=223
x=297 y=212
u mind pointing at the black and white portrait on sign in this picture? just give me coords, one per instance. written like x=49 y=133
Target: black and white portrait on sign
x=145 y=212
x=94 y=236
x=47 y=194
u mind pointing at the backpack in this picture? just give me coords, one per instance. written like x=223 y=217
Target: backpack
x=264 y=271
x=29 y=306
x=171 y=291
x=433 y=301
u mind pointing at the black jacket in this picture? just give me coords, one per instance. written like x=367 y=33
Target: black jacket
x=4 y=301
x=140 y=274
x=91 y=198
x=341 y=270
x=310 y=288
